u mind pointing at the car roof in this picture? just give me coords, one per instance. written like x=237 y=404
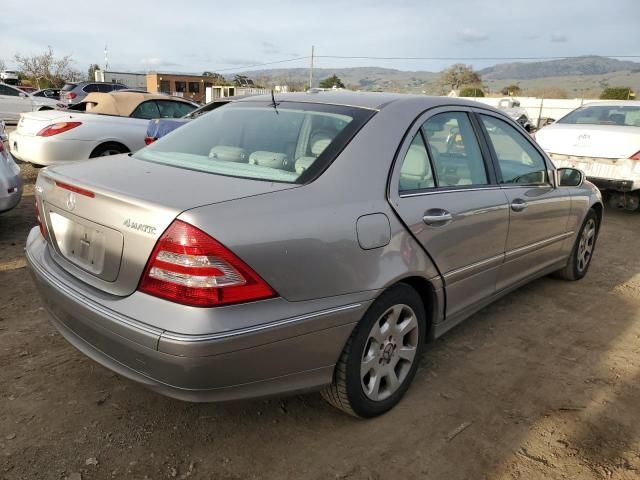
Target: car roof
x=614 y=103
x=368 y=100
x=123 y=103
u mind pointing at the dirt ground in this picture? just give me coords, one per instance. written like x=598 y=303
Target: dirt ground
x=543 y=384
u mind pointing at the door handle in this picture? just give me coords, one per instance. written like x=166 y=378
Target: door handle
x=437 y=217
x=518 y=205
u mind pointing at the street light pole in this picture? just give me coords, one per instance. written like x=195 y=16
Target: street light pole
x=311 y=69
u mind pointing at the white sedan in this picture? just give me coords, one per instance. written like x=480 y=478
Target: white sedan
x=602 y=140
x=14 y=101
x=102 y=124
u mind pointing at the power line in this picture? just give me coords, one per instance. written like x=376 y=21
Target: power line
x=261 y=64
x=358 y=57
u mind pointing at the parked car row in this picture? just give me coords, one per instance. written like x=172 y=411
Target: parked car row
x=14 y=101
x=101 y=124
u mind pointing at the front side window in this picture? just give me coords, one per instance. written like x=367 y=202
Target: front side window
x=146 y=110
x=290 y=142
x=519 y=161
x=454 y=149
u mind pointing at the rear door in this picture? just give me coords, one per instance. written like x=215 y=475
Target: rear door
x=538 y=210
x=445 y=190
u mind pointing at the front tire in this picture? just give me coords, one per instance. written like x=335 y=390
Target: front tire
x=381 y=357
x=582 y=251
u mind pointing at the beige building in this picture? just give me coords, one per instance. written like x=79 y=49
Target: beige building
x=192 y=87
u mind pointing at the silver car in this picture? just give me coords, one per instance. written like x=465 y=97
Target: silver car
x=10 y=177
x=308 y=241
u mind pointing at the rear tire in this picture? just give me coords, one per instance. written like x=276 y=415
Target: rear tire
x=107 y=149
x=582 y=252
x=381 y=357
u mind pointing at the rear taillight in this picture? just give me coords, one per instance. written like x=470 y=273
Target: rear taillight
x=70 y=95
x=188 y=266
x=149 y=140
x=635 y=156
x=57 y=128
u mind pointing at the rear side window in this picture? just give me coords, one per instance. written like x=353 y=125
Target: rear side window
x=288 y=142
x=169 y=109
x=68 y=87
x=416 y=172
x=12 y=92
x=454 y=149
x=519 y=161
x=146 y=110
x=115 y=86
x=91 y=87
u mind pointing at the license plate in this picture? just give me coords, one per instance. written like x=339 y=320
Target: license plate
x=81 y=244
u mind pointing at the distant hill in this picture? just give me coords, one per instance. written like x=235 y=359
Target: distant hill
x=577 y=77
x=588 y=65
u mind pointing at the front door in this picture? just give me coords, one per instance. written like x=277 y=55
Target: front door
x=445 y=190
x=538 y=211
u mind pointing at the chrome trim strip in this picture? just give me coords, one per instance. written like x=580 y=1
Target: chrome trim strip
x=517 y=252
x=87 y=302
x=432 y=192
x=454 y=273
x=234 y=333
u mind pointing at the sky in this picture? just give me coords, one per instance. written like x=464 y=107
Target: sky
x=226 y=37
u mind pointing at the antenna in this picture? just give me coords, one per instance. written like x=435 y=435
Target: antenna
x=106 y=58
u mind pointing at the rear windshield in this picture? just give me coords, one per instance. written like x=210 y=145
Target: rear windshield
x=604 y=115
x=289 y=142
x=68 y=86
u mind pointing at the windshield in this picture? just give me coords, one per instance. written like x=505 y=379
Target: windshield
x=604 y=115
x=291 y=142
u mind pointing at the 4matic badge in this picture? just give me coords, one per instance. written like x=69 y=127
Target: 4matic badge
x=139 y=226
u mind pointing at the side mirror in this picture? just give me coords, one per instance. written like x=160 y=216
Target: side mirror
x=569 y=177
x=23 y=95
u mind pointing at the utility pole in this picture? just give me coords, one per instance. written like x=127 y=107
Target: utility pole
x=311 y=69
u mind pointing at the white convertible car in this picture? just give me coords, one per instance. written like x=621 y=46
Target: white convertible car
x=102 y=124
x=602 y=140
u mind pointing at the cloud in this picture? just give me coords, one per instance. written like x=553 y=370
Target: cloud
x=558 y=38
x=158 y=62
x=472 y=36
x=239 y=61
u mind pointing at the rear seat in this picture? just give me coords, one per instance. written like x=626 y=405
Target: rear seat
x=416 y=170
x=318 y=146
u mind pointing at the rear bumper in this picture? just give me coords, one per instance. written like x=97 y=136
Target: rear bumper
x=293 y=354
x=48 y=150
x=10 y=189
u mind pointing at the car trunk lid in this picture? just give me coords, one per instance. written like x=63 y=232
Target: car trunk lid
x=31 y=123
x=600 y=152
x=104 y=217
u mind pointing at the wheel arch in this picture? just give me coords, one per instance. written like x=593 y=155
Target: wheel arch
x=114 y=143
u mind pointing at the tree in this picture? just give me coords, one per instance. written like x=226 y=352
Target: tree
x=331 y=82
x=242 y=81
x=47 y=70
x=215 y=78
x=472 y=92
x=458 y=75
x=617 y=93
x=511 y=90
x=91 y=72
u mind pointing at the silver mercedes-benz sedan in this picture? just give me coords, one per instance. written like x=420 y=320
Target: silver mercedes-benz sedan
x=307 y=241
